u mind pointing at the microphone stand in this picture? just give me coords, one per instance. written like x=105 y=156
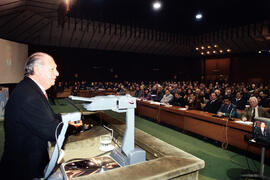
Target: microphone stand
x=230 y=115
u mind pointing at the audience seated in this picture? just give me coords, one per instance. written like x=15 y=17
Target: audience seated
x=167 y=97
x=157 y=97
x=192 y=102
x=191 y=94
x=147 y=95
x=254 y=110
x=213 y=105
x=177 y=100
x=227 y=109
x=238 y=101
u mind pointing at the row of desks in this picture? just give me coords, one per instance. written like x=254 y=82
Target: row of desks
x=84 y=93
x=202 y=123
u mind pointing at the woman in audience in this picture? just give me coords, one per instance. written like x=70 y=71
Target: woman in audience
x=147 y=95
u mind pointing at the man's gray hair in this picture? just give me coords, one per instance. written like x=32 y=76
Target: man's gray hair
x=253 y=98
x=33 y=60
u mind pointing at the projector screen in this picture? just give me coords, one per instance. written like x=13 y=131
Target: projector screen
x=12 y=58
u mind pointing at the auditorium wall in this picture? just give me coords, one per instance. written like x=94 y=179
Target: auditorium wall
x=238 y=68
x=97 y=65
x=251 y=68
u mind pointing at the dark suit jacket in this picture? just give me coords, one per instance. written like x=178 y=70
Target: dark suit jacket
x=240 y=104
x=29 y=124
x=262 y=112
x=258 y=132
x=177 y=102
x=230 y=111
x=212 y=107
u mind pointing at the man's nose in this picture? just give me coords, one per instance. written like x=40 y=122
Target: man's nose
x=56 y=73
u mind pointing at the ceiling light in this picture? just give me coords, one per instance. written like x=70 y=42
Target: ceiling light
x=221 y=51
x=208 y=52
x=202 y=47
x=199 y=16
x=197 y=48
x=202 y=53
x=156 y=5
x=228 y=50
x=259 y=52
x=214 y=52
x=215 y=45
x=208 y=47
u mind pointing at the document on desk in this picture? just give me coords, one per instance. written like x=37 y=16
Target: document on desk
x=153 y=102
x=244 y=122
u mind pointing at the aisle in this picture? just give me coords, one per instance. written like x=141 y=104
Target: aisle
x=219 y=163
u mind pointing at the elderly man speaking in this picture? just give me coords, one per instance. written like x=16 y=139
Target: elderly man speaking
x=29 y=121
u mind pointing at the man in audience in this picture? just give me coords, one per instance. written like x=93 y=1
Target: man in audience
x=238 y=101
x=264 y=101
x=177 y=100
x=227 y=109
x=228 y=93
x=246 y=94
x=192 y=102
x=254 y=110
x=218 y=94
x=213 y=105
x=141 y=91
x=159 y=94
x=167 y=97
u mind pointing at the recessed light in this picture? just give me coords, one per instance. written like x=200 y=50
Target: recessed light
x=156 y=5
x=199 y=16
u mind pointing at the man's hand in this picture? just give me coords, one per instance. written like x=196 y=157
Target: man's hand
x=76 y=124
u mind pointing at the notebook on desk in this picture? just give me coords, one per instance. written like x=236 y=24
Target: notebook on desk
x=261 y=129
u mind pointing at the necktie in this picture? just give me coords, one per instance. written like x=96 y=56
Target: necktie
x=253 y=114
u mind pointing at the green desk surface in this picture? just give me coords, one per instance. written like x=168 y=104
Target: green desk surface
x=63 y=106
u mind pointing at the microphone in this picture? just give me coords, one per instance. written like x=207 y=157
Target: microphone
x=230 y=115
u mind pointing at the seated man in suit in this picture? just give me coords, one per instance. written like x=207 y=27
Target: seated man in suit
x=167 y=97
x=192 y=102
x=213 y=105
x=254 y=110
x=227 y=109
x=177 y=100
x=159 y=94
x=239 y=101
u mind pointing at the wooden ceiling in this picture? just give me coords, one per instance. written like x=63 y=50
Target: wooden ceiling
x=39 y=22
